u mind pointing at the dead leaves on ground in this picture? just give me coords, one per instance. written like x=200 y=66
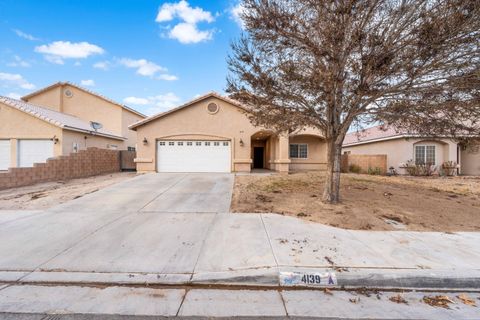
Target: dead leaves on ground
x=398 y=299
x=466 y=300
x=438 y=301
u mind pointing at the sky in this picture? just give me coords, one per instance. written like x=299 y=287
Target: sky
x=151 y=55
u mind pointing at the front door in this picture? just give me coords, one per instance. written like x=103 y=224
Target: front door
x=258 y=157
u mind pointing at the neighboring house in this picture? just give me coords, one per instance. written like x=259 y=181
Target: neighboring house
x=61 y=119
x=401 y=147
x=213 y=134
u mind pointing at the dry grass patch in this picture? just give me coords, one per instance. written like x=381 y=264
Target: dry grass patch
x=368 y=202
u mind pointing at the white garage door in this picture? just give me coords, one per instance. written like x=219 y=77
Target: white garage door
x=193 y=156
x=4 y=154
x=34 y=151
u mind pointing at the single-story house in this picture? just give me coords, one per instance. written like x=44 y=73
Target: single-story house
x=61 y=119
x=212 y=133
x=401 y=147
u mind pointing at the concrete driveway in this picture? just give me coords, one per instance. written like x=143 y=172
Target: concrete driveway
x=165 y=192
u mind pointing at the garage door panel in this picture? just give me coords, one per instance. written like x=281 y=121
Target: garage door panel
x=4 y=154
x=193 y=156
x=34 y=151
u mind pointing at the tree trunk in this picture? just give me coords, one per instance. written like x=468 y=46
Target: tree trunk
x=331 y=193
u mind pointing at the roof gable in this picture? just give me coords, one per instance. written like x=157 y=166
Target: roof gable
x=60 y=83
x=59 y=119
x=189 y=104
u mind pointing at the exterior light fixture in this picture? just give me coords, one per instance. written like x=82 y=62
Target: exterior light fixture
x=55 y=140
x=145 y=141
x=241 y=143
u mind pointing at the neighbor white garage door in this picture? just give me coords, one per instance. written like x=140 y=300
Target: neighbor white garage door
x=193 y=156
x=34 y=151
x=4 y=154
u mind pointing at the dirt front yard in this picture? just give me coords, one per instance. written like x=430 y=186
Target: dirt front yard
x=49 y=194
x=368 y=202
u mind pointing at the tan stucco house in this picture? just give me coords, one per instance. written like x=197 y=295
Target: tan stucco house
x=212 y=133
x=61 y=119
x=401 y=147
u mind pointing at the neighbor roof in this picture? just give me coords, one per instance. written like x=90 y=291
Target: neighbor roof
x=62 y=83
x=372 y=134
x=200 y=98
x=62 y=120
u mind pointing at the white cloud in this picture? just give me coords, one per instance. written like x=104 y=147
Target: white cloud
x=87 y=83
x=136 y=101
x=18 y=62
x=14 y=95
x=57 y=51
x=15 y=80
x=236 y=14
x=182 y=9
x=186 y=31
x=157 y=104
x=24 y=35
x=103 y=65
x=147 y=69
x=189 y=33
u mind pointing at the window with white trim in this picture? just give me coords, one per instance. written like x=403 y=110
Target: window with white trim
x=299 y=150
x=425 y=154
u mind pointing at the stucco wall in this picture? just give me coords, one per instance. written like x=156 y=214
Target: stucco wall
x=50 y=99
x=129 y=118
x=470 y=159
x=89 y=107
x=228 y=123
x=15 y=125
x=317 y=153
x=401 y=150
x=70 y=137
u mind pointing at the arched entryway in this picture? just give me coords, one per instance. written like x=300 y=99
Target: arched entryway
x=262 y=149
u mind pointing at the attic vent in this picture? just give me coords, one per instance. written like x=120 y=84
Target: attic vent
x=68 y=93
x=212 y=108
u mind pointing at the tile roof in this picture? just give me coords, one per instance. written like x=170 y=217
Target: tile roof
x=62 y=83
x=59 y=119
x=372 y=134
x=200 y=98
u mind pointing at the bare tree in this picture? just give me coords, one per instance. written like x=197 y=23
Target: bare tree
x=333 y=64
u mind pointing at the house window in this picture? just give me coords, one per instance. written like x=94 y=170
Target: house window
x=207 y=143
x=131 y=148
x=198 y=143
x=162 y=143
x=425 y=155
x=299 y=150
x=189 y=143
x=216 y=143
x=225 y=143
x=171 y=143
x=180 y=143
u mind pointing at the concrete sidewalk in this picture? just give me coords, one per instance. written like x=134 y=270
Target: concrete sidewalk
x=75 y=302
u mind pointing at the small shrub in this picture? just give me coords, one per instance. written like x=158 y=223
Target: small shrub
x=375 y=171
x=354 y=168
x=419 y=169
x=448 y=168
